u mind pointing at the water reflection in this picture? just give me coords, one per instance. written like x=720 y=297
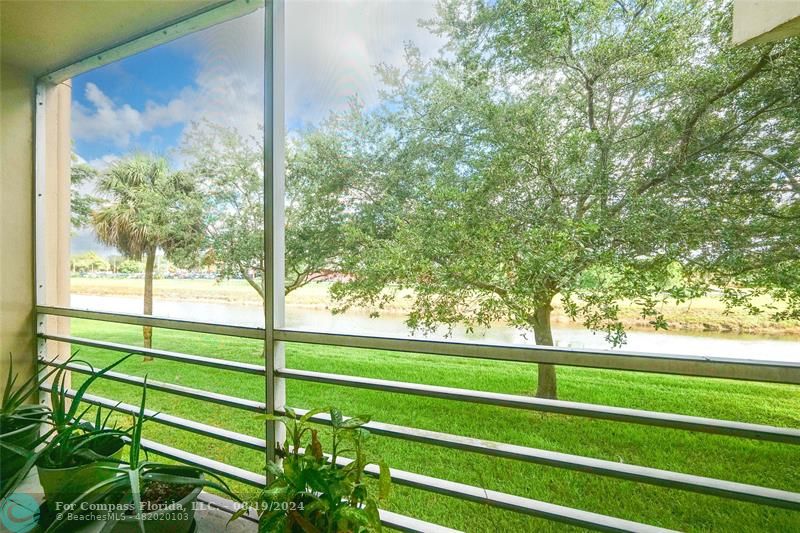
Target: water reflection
x=784 y=348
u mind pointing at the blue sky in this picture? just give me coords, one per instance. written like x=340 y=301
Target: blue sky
x=145 y=103
x=152 y=76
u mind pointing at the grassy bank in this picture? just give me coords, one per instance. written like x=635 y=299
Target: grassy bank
x=761 y=463
x=703 y=314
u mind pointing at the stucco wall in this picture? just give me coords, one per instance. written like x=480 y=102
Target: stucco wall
x=16 y=215
x=761 y=21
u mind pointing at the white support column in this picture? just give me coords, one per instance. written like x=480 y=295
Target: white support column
x=274 y=187
x=52 y=205
x=40 y=215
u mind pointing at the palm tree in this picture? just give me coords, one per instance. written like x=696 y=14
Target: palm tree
x=147 y=207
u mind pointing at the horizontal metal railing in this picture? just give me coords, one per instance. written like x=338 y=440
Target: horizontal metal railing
x=198 y=428
x=221 y=364
x=389 y=519
x=589 y=410
x=223 y=469
x=188 y=392
x=652 y=476
x=399 y=477
x=622 y=414
x=771 y=371
x=510 y=502
x=686 y=365
x=156 y=322
x=704 y=485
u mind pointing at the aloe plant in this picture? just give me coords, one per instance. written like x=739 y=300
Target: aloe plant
x=15 y=414
x=130 y=479
x=15 y=407
x=310 y=492
x=75 y=439
x=68 y=440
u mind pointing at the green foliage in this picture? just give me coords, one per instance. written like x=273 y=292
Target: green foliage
x=69 y=441
x=16 y=396
x=312 y=492
x=228 y=168
x=81 y=204
x=132 y=477
x=146 y=206
x=556 y=142
x=16 y=413
x=77 y=442
x=130 y=266
x=88 y=262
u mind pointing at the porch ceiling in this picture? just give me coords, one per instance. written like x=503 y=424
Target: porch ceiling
x=42 y=36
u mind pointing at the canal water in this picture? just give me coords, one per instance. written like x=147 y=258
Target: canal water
x=761 y=347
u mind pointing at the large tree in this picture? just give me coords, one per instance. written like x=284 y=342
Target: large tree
x=597 y=151
x=146 y=207
x=228 y=168
x=82 y=175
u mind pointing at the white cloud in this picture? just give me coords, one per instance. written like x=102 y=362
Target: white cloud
x=103 y=162
x=331 y=51
x=121 y=123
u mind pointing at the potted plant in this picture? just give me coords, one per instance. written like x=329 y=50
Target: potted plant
x=309 y=491
x=20 y=427
x=71 y=462
x=145 y=496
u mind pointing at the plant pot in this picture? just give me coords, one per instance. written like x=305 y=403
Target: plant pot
x=24 y=436
x=65 y=484
x=178 y=517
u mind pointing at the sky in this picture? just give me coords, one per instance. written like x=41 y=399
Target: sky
x=146 y=102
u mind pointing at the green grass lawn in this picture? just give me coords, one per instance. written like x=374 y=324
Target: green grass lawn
x=761 y=463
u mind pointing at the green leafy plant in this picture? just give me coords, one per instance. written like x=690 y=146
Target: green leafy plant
x=132 y=479
x=313 y=492
x=20 y=422
x=76 y=441
x=15 y=409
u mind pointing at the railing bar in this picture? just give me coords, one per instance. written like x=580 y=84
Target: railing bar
x=509 y=502
x=653 y=476
x=393 y=520
x=223 y=469
x=147 y=320
x=450 y=488
x=198 y=394
x=161 y=354
x=689 y=365
x=191 y=426
x=622 y=414
x=408 y=524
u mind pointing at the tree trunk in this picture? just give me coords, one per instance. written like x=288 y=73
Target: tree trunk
x=542 y=331
x=147 y=331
